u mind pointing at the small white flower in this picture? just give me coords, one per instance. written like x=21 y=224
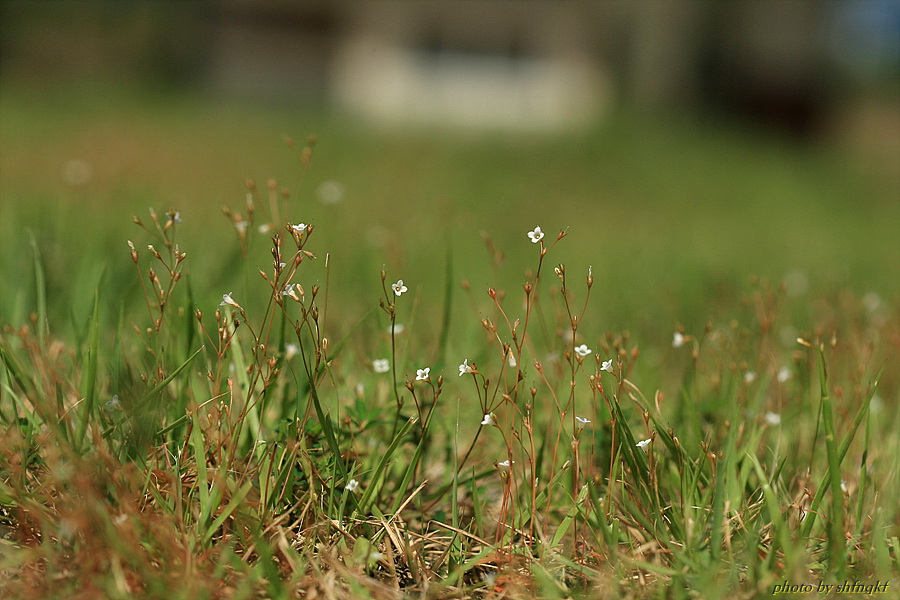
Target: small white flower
x=352 y=485
x=381 y=365
x=749 y=377
x=607 y=366
x=396 y=328
x=488 y=420
x=174 y=217
x=265 y=228
x=465 y=368
x=241 y=226
x=113 y=404
x=505 y=464
x=290 y=351
x=536 y=235
x=643 y=443
x=299 y=228
x=783 y=374
x=582 y=422
x=511 y=359
x=773 y=418
x=843 y=486
x=582 y=350
x=678 y=340
x=228 y=300
x=291 y=290
x=422 y=374
x=398 y=287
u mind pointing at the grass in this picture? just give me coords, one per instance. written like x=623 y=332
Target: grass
x=647 y=411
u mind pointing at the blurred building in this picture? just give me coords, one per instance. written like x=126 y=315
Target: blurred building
x=545 y=64
x=515 y=64
x=520 y=64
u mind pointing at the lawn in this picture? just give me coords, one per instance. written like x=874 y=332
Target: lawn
x=686 y=387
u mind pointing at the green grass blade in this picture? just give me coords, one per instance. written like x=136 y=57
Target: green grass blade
x=89 y=378
x=199 y=448
x=836 y=537
x=810 y=519
x=40 y=290
x=368 y=495
x=444 y=336
x=570 y=516
x=169 y=379
x=229 y=509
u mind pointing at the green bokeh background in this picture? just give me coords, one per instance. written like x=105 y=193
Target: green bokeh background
x=675 y=215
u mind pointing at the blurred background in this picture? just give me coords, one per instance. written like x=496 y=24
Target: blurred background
x=686 y=147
